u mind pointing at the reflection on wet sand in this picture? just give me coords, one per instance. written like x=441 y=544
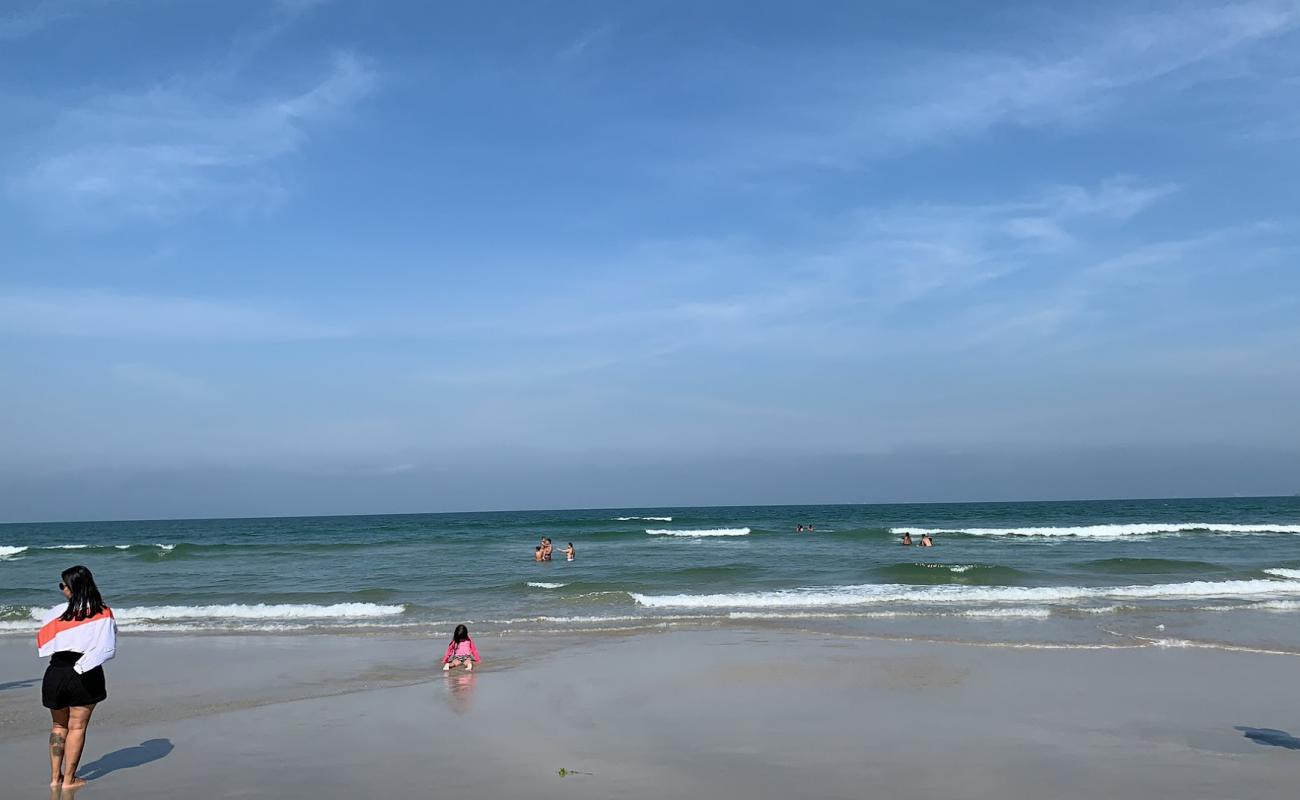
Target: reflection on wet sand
x=59 y=793
x=460 y=690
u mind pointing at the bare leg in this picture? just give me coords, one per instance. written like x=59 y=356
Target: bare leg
x=58 y=738
x=78 y=719
x=469 y=665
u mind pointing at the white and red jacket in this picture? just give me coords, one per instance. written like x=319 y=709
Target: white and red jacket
x=94 y=637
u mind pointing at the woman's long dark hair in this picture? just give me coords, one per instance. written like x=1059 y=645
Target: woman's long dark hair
x=85 y=601
x=461 y=635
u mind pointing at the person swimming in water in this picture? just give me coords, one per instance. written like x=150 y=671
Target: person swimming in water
x=926 y=541
x=569 y=552
x=537 y=553
x=907 y=539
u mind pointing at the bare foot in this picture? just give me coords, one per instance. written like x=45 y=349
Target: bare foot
x=446 y=667
x=56 y=782
x=75 y=783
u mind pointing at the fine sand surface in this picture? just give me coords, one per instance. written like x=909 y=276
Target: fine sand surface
x=680 y=714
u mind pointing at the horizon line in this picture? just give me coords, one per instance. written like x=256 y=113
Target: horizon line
x=650 y=508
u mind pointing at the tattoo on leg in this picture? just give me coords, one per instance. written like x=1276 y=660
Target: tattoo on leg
x=56 y=744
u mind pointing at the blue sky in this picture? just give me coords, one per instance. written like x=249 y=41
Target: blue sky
x=326 y=257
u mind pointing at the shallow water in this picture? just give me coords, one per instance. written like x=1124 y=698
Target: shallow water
x=1082 y=572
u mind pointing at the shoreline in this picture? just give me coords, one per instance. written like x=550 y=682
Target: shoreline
x=1137 y=628
x=748 y=713
x=726 y=713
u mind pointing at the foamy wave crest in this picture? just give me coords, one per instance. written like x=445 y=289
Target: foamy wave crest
x=1117 y=531
x=1278 y=605
x=66 y=547
x=1009 y=613
x=647 y=519
x=1290 y=574
x=545 y=585
x=166 y=548
x=703 y=532
x=870 y=594
x=8 y=552
x=259 y=611
x=121 y=547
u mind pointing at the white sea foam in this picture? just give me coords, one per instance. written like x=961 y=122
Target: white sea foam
x=66 y=547
x=870 y=594
x=1277 y=605
x=7 y=551
x=122 y=546
x=647 y=519
x=1006 y=613
x=703 y=532
x=1117 y=531
x=1009 y=613
x=1290 y=574
x=166 y=548
x=258 y=611
x=545 y=585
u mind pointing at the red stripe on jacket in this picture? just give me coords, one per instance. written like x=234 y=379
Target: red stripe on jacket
x=58 y=625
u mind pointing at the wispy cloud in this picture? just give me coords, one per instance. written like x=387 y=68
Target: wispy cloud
x=110 y=315
x=184 y=145
x=833 y=116
x=23 y=20
x=855 y=284
x=588 y=39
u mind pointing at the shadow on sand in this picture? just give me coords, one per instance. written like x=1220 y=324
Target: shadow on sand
x=1270 y=736
x=4 y=687
x=126 y=758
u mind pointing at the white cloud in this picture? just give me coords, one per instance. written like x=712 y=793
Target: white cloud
x=589 y=38
x=937 y=276
x=181 y=147
x=34 y=17
x=846 y=109
x=99 y=314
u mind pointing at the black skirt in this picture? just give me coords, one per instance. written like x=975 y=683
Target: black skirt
x=63 y=687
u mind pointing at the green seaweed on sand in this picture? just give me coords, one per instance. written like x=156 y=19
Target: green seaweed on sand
x=565 y=772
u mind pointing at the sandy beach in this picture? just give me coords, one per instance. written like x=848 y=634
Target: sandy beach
x=723 y=713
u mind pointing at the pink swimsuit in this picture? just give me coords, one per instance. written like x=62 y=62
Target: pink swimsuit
x=465 y=649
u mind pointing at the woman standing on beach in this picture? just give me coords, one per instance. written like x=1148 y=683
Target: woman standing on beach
x=77 y=637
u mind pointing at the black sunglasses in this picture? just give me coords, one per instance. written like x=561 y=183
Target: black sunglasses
x=62 y=586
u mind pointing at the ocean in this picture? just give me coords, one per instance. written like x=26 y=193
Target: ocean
x=1178 y=573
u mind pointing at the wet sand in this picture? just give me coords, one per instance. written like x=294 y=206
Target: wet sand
x=680 y=714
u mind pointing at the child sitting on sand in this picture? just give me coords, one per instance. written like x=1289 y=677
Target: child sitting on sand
x=461 y=652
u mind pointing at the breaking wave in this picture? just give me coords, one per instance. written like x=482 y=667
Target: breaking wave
x=871 y=594
x=1116 y=531
x=702 y=532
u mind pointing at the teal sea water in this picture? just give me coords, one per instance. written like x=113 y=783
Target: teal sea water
x=1174 y=572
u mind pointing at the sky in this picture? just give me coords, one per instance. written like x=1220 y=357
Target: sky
x=306 y=257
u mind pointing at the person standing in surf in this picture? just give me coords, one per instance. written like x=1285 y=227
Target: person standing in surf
x=77 y=637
